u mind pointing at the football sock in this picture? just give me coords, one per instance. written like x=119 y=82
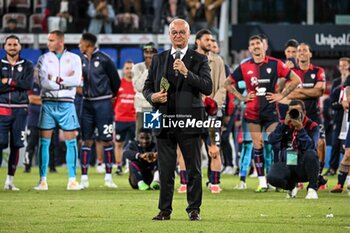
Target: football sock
x=85 y=154
x=183 y=177
x=259 y=161
x=71 y=157
x=215 y=177
x=108 y=158
x=43 y=156
x=341 y=178
x=268 y=155
x=245 y=158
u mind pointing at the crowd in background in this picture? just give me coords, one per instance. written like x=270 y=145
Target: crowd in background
x=107 y=16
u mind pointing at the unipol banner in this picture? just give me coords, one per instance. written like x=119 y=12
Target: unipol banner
x=320 y=37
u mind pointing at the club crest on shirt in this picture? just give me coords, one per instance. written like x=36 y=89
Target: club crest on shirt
x=96 y=63
x=254 y=81
x=313 y=76
x=268 y=70
x=20 y=68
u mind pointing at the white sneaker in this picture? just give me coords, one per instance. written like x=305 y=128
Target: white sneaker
x=242 y=185
x=110 y=184
x=311 y=194
x=84 y=183
x=74 y=185
x=229 y=170
x=9 y=186
x=42 y=186
x=292 y=193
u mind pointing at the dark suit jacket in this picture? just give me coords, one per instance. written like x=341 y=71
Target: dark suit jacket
x=188 y=90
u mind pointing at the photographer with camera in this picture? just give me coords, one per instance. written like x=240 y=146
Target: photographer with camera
x=143 y=162
x=296 y=138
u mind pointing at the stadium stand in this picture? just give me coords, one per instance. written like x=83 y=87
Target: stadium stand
x=20 y=17
x=35 y=23
x=37 y=6
x=20 y=6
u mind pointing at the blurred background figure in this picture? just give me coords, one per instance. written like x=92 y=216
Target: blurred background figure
x=202 y=14
x=11 y=27
x=101 y=17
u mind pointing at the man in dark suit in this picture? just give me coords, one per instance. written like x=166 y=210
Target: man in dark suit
x=175 y=84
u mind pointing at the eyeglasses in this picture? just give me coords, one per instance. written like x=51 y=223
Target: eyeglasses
x=175 y=33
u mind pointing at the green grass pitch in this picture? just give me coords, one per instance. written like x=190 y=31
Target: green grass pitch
x=99 y=209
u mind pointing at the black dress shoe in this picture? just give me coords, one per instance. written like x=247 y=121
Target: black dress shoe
x=162 y=215
x=194 y=215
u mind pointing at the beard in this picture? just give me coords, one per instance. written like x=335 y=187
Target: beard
x=205 y=49
x=12 y=53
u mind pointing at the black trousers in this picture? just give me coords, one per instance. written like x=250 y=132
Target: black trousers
x=336 y=150
x=286 y=177
x=190 y=145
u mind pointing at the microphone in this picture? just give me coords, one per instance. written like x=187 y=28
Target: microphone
x=177 y=56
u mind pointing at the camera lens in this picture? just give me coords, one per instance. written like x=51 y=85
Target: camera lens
x=294 y=114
